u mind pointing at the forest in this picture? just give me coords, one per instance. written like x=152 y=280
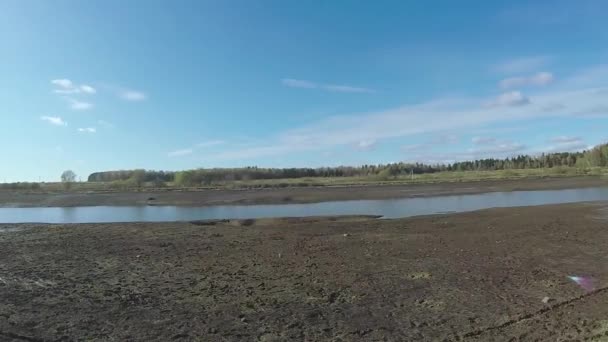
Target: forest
x=596 y=157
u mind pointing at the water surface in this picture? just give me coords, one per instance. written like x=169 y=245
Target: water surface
x=388 y=208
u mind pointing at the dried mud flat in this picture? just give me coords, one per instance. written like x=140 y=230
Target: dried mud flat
x=478 y=276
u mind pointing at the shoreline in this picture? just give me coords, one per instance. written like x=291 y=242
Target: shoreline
x=202 y=198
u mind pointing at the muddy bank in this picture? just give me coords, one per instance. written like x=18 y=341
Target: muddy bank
x=472 y=276
x=288 y=195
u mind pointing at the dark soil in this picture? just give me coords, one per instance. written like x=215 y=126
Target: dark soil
x=479 y=276
x=287 y=195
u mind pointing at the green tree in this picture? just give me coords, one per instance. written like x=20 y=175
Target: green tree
x=184 y=178
x=138 y=178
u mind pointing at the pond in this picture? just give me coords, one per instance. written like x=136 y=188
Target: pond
x=388 y=208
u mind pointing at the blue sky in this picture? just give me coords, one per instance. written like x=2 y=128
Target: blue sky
x=102 y=85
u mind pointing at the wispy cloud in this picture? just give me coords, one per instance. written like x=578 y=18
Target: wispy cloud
x=521 y=65
x=191 y=150
x=54 y=120
x=63 y=83
x=414 y=147
x=565 y=146
x=290 y=82
x=546 y=15
x=565 y=139
x=87 y=89
x=180 y=153
x=65 y=86
x=79 y=105
x=483 y=140
x=538 y=79
x=553 y=107
x=257 y=152
x=87 y=130
x=104 y=123
x=294 y=83
x=510 y=99
x=594 y=111
x=132 y=95
x=494 y=149
x=210 y=143
x=433 y=117
x=443 y=139
x=366 y=145
x=497 y=149
x=346 y=89
x=440 y=140
x=565 y=143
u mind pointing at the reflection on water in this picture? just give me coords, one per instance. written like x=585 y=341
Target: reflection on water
x=390 y=208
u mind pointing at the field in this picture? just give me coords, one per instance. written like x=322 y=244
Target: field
x=492 y=275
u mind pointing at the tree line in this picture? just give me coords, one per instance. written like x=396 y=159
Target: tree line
x=596 y=157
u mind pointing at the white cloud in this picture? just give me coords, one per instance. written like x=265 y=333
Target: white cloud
x=511 y=99
x=54 y=120
x=180 y=153
x=132 y=95
x=290 y=82
x=210 y=143
x=519 y=65
x=65 y=86
x=483 y=140
x=63 y=83
x=79 y=105
x=565 y=139
x=105 y=123
x=293 y=83
x=87 y=89
x=366 y=145
x=346 y=89
x=538 y=79
x=87 y=130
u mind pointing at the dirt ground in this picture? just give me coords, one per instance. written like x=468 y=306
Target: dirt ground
x=288 y=195
x=478 y=276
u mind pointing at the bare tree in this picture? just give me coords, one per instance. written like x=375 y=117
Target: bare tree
x=67 y=178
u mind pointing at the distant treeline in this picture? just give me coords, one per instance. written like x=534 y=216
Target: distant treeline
x=595 y=157
x=122 y=175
